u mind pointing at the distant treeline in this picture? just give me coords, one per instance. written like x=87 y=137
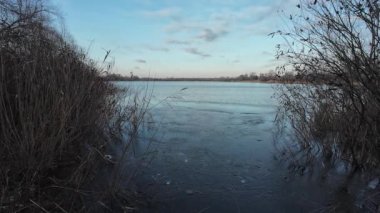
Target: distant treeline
x=262 y=77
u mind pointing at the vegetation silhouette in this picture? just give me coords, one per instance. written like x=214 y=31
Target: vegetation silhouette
x=333 y=46
x=58 y=118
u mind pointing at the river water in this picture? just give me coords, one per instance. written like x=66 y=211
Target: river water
x=211 y=149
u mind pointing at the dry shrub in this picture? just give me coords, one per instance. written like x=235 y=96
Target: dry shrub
x=57 y=115
x=333 y=47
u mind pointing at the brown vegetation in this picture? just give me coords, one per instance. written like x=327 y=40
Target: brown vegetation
x=57 y=116
x=334 y=47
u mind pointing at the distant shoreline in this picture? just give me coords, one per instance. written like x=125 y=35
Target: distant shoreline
x=271 y=77
x=214 y=80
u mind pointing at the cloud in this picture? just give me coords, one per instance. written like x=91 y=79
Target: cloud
x=211 y=35
x=158 y=49
x=256 y=13
x=268 y=53
x=178 y=42
x=195 y=51
x=171 y=12
x=141 y=61
x=185 y=25
x=217 y=23
x=197 y=30
x=261 y=28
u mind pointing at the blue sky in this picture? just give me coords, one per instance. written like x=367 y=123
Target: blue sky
x=178 y=38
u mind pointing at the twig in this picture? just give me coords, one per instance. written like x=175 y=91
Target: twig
x=42 y=208
x=60 y=208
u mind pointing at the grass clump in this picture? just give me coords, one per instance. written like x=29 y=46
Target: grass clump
x=57 y=115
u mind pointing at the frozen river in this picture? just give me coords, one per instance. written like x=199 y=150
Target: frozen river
x=212 y=150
